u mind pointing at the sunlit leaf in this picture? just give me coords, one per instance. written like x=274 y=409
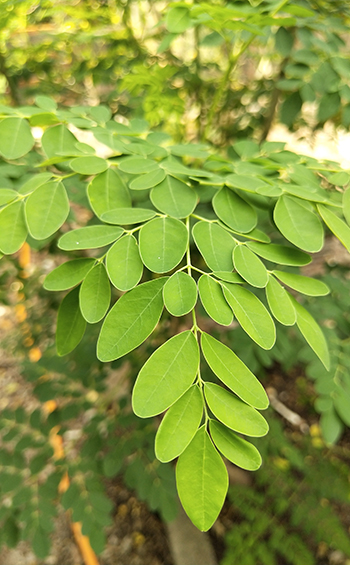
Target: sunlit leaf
x=163 y=243
x=95 y=294
x=234 y=448
x=123 y=262
x=180 y=294
x=213 y=301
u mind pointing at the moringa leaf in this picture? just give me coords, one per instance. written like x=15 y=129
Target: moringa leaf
x=163 y=243
x=70 y=323
x=123 y=262
x=180 y=294
x=249 y=266
x=215 y=245
x=68 y=274
x=280 y=303
x=213 y=301
x=236 y=449
x=166 y=375
x=90 y=237
x=95 y=294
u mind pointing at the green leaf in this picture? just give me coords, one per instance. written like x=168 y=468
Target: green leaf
x=95 y=294
x=202 y=481
x=108 y=191
x=90 y=165
x=90 y=237
x=233 y=412
x=312 y=333
x=68 y=274
x=180 y=294
x=280 y=303
x=123 y=262
x=331 y=426
x=137 y=165
x=280 y=254
x=46 y=209
x=234 y=211
x=236 y=449
x=346 y=205
x=46 y=103
x=228 y=276
x=57 y=139
x=305 y=285
x=41 y=543
x=233 y=372
x=34 y=181
x=13 y=229
x=174 y=197
x=336 y=225
x=131 y=320
x=16 y=138
x=166 y=375
x=163 y=243
x=251 y=314
x=249 y=266
x=245 y=182
x=70 y=323
x=215 y=245
x=213 y=301
x=148 y=180
x=299 y=225
x=7 y=195
x=178 y=19
x=126 y=216
x=179 y=425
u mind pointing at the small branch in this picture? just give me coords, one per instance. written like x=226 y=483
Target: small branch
x=291 y=417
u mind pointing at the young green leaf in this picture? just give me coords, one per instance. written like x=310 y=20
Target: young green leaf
x=123 y=262
x=213 y=301
x=163 y=243
x=95 y=294
x=340 y=229
x=233 y=372
x=180 y=294
x=233 y=412
x=68 y=274
x=13 y=229
x=234 y=211
x=236 y=449
x=202 y=480
x=166 y=375
x=108 y=191
x=228 y=277
x=251 y=314
x=131 y=320
x=148 y=180
x=90 y=237
x=57 y=139
x=70 y=323
x=312 y=333
x=7 y=195
x=137 y=165
x=346 y=205
x=46 y=209
x=179 y=425
x=280 y=303
x=126 y=216
x=305 y=285
x=89 y=165
x=16 y=138
x=178 y=19
x=215 y=245
x=174 y=197
x=299 y=225
x=280 y=254
x=249 y=266
x=245 y=182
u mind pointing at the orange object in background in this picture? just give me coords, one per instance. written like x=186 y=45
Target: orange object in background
x=56 y=442
x=24 y=256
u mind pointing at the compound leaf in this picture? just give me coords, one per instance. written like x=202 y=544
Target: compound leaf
x=90 y=237
x=251 y=314
x=166 y=375
x=131 y=320
x=70 y=323
x=123 y=262
x=234 y=448
x=163 y=243
x=46 y=209
x=180 y=294
x=233 y=412
x=215 y=245
x=95 y=294
x=213 y=301
x=202 y=480
x=233 y=372
x=179 y=425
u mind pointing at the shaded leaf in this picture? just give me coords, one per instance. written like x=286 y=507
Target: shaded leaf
x=70 y=323
x=95 y=294
x=312 y=333
x=340 y=229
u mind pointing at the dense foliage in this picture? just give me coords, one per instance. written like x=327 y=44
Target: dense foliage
x=175 y=232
